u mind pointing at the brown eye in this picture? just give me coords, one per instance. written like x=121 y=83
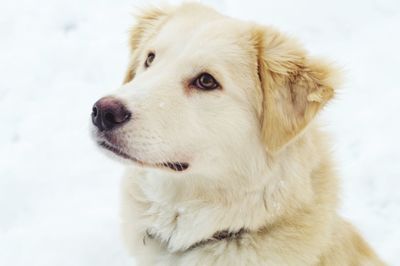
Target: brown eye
x=205 y=82
x=149 y=59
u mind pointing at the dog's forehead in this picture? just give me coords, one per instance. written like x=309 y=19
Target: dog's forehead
x=201 y=32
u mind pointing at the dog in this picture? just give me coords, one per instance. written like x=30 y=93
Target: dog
x=225 y=161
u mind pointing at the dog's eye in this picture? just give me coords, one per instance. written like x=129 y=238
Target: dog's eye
x=205 y=82
x=149 y=59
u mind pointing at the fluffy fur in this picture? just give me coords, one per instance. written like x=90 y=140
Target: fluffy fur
x=257 y=159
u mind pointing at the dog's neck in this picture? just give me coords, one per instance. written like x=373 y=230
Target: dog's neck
x=224 y=235
x=180 y=213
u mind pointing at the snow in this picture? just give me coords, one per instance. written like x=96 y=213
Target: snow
x=59 y=196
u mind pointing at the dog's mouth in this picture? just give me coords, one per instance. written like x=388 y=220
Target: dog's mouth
x=176 y=166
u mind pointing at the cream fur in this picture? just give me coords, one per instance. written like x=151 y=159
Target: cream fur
x=257 y=157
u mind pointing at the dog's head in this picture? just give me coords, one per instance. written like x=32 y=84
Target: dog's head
x=204 y=92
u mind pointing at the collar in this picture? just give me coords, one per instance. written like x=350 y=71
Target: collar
x=224 y=235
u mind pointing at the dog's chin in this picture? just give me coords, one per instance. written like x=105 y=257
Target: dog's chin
x=175 y=166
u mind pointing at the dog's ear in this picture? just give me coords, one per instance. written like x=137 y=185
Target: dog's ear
x=294 y=87
x=147 y=23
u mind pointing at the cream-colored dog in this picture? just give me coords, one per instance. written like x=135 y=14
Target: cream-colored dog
x=226 y=165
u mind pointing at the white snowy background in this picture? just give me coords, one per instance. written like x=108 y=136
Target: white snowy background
x=59 y=196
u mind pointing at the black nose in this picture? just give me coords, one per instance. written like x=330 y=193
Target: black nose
x=108 y=113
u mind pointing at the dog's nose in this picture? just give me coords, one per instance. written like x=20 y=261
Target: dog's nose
x=108 y=112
